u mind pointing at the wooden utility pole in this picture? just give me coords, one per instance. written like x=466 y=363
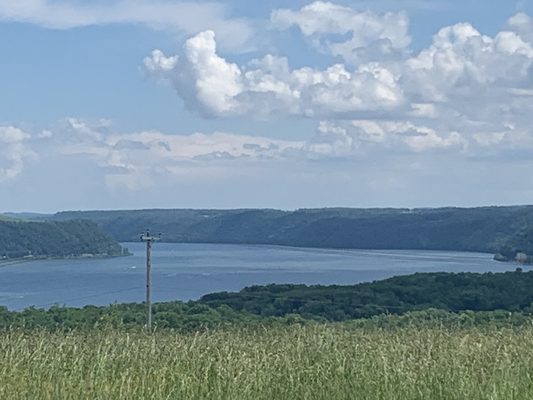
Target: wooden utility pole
x=149 y=239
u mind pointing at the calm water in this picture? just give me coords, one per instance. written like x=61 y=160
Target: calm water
x=188 y=271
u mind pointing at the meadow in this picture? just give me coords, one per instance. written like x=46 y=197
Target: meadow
x=313 y=361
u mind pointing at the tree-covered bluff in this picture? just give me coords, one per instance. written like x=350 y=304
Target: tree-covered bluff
x=510 y=291
x=504 y=230
x=41 y=239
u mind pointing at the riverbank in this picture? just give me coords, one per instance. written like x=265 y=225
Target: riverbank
x=13 y=261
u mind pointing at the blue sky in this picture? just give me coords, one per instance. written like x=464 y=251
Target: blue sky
x=137 y=103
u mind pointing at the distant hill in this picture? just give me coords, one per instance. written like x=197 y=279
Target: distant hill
x=54 y=239
x=26 y=215
x=503 y=230
x=509 y=291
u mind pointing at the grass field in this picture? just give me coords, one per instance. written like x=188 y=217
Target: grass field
x=310 y=362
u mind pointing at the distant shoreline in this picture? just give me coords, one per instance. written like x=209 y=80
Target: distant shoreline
x=14 y=261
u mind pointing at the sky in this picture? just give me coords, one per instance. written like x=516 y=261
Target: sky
x=121 y=104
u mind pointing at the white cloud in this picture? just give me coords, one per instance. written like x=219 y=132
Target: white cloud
x=348 y=138
x=128 y=158
x=464 y=92
x=365 y=35
x=183 y=16
x=201 y=76
x=461 y=61
x=214 y=86
x=134 y=160
x=14 y=152
x=523 y=25
x=355 y=163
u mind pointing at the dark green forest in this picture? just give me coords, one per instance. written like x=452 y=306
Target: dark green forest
x=439 y=298
x=509 y=291
x=54 y=239
x=504 y=230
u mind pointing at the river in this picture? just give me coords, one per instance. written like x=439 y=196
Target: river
x=188 y=271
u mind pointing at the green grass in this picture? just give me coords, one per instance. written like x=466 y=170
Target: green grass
x=310 y=362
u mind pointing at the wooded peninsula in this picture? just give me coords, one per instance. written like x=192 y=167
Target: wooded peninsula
x=62 y=239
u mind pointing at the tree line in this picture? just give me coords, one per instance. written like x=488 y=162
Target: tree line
x=54 y=239
x=505 y=230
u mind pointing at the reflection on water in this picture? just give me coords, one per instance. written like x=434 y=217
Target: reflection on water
x=188 y=271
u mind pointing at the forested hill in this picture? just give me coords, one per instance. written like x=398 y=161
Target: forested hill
x=54 y=239
x=486 y=229
x=510 y=291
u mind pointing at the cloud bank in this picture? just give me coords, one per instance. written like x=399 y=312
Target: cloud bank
x=131 y=160
x=103 y=168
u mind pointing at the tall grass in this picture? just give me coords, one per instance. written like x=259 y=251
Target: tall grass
x=310 y=362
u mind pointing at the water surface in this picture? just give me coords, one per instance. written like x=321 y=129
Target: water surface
x=188 y=271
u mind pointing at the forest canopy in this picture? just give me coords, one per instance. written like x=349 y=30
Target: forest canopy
x=54 y=239
x=504 y=230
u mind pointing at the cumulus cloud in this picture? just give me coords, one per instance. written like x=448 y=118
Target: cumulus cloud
x=461 y=62
x=201 y=77
x=523 y=25
x=346 y=138
x=183 y=16
x=209 y=83
x=365 y=35
x=465 y=92
x=14 y=152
